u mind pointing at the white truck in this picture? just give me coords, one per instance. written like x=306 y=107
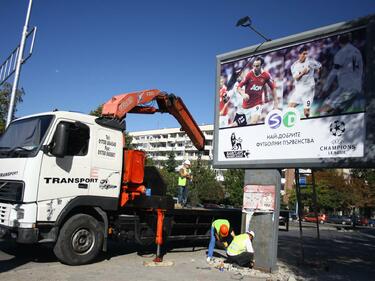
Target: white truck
x=66 y=178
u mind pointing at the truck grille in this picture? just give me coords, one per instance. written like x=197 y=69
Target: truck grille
x=4 y=213
x=11 y=191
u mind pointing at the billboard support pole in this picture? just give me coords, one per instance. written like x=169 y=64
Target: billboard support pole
x=315 y=204
x=265 y=224
x=18 y=65
x=298 y=193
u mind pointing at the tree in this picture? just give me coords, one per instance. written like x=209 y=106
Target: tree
x=149 y=161
x=5 y=95
x=363 y=180
x=128 y=138
x=171 y=164
x=97 y=112
x=292 y=198
x=329 y=198
x=233 y=185
x=171 y=180
x=204 y=186
x=337 y=191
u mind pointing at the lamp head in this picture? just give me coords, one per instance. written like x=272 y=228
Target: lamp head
x=245 y=22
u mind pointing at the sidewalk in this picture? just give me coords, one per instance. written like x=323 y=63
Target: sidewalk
x=338 y=255
x=123 y=262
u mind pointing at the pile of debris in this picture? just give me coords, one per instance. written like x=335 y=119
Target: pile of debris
x=282 y=274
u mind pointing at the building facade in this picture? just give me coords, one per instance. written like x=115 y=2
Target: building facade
x=158 y=144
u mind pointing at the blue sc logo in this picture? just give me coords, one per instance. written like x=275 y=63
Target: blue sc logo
x=276 y=117
x=274 y=120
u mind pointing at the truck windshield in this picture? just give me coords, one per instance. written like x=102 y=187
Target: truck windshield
x=23 y=137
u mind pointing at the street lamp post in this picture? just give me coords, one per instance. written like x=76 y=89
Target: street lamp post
x=246 y=22
x=266 y=223
x=18 y=65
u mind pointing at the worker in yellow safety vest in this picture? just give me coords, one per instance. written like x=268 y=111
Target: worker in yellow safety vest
x=221 y=232
x=241 y=250
x=184 y=177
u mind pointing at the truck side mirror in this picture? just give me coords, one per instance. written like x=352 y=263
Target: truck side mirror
x=59 y=146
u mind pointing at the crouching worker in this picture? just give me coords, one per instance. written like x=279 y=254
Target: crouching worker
x=221 y=232
x=241 y=251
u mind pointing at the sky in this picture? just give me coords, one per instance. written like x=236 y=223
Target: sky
x=87 y=51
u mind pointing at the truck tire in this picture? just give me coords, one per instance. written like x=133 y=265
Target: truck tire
x=80 y=240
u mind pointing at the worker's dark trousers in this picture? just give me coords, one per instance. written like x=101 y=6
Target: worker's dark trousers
x=242 y=259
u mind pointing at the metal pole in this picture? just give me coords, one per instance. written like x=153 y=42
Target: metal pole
x=298 y=191
x=315 y=204
x=18 y=66
x=260 y=34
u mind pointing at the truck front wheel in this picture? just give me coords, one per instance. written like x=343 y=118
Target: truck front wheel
x=80 y=240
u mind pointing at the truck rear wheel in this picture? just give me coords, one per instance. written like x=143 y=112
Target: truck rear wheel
x=80 y=240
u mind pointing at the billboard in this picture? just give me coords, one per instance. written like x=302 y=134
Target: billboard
x=300 y=101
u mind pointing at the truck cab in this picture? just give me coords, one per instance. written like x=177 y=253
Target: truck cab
x=52 y=162
x=66 y=178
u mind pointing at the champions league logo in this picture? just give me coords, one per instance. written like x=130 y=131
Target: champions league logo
x=337 y=128
x=338 y=147
x=236 y=151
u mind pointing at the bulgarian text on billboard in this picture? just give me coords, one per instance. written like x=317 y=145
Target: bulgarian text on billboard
x=304 y=101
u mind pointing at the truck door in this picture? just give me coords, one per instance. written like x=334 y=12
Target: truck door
x=106 y=162
x=64 y=178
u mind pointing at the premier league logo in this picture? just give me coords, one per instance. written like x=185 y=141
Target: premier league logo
x=337 y=128
x=236 y=142
x=236 y=151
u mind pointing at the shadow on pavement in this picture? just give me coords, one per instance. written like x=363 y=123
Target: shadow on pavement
x=21 y=254
x=334 y=257
x=13 y=255
x=339 y=255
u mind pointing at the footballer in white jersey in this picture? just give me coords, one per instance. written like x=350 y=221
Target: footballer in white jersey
x=348 y=70
x=303 y=72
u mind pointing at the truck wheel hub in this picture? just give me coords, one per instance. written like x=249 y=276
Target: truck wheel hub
x=83 y=241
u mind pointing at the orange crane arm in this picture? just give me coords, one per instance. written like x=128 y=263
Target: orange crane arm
x=139 y=102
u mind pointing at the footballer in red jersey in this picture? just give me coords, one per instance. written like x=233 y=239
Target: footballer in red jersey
x=224 y=103
x=255 y=84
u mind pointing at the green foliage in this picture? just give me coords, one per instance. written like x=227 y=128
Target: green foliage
x=292 y=198
x=149 y=161
x=97 y=112
x=363 y=180
x=283 y=205
x=334 y=191
x=329 y=197
x=171 y=164
x=338 y=192
x=365 y=174
x=169 y=173
x=128 y=141
x=5 y=94
x=171 y=180
x=234 y=184
x=204 y=186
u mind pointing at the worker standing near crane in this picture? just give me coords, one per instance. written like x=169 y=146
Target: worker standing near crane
x=184 y=176
x=220 y=231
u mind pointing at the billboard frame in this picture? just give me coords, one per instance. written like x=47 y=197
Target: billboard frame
x=368 y=160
